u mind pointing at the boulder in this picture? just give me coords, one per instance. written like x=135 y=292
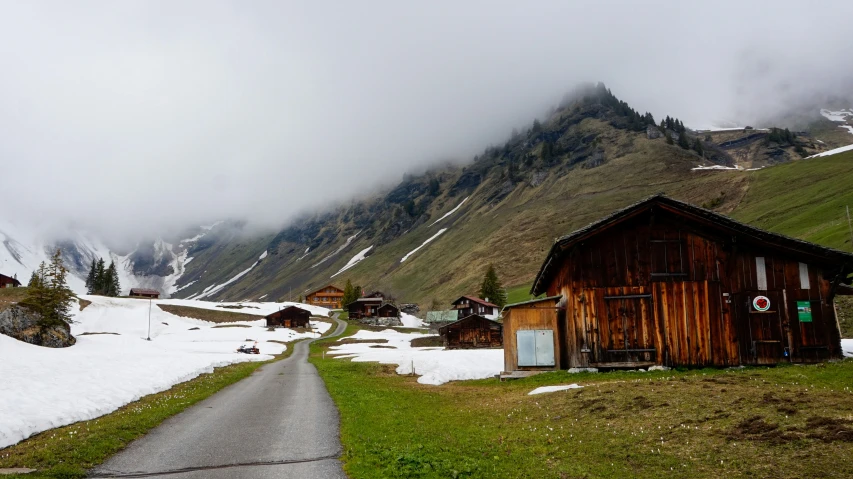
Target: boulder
x=22 y=324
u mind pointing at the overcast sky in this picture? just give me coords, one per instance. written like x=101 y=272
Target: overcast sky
x=132 y=117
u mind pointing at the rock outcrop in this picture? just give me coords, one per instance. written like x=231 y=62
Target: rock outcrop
x=23 y=325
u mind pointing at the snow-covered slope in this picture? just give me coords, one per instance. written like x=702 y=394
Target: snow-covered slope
x=156 y=264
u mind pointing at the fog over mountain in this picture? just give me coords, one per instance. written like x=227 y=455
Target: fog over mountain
x=134 y=118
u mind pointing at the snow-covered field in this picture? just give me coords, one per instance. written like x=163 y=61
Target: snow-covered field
x=847 y=347
x=43 y=388
x=433 y=365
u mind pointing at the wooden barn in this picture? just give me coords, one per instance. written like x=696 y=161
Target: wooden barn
x=388 y=310
x=289 y=317
x=144 y=293
x=329 y=296
x=9 y=281
x=468 y=305
x=663 y=282
x=473 y=331
x=364 y=308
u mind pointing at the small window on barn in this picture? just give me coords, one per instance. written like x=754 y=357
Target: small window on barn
x=804 y=276
x=667 y=257
x=761 y=273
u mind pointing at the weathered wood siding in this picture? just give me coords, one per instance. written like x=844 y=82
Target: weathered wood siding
x=657 y=291
x=472 y=332
x=527 y=317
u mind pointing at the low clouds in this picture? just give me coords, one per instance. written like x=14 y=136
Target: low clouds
x=136 y=117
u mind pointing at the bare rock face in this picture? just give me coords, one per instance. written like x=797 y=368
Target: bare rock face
x=22 y=324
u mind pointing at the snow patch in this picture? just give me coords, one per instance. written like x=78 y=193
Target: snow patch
x=211 y=290
x=847 y=347
x=358 y=258
x=716 y=167
x=410 y=321
x=404 y=258
x=434 y=365
x=551 y=389
x=341 y=248
x=832 y=152
x=451 y=211
x=840 y=115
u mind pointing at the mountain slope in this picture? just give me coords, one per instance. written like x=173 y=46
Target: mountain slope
x=591 y=156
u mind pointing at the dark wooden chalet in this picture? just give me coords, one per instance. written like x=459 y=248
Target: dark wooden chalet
x=9 y=281
x=144 y=293
x=664 y=282
x=473 y=331
x=329 y=296
x=388 y=310
x=468 y=305
x=289 y=317
x=364 y=307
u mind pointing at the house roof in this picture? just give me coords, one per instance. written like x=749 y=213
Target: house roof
x=467 y=318
x=476 y=300
x=389 y=304
x=366 y=300
x=554 y=299
x=14 y=280
x=286 y=309
x=339 y=290
x=143 y=291
x=701 y=215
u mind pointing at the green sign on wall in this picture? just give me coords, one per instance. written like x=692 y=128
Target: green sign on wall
x=804 y=311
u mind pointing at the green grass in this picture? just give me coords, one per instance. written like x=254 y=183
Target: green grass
x=783 y=422
x=212 y=315
x=10 y=296
x=517 y=294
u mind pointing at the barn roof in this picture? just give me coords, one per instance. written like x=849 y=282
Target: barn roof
x=468 y=318
x=324 y=287
x=538 y=300
x=287 y=309
x=14 y=280
x=701 y=215
x=476 y=300
x=143 y=291
x=366 y=300
x=389 y=304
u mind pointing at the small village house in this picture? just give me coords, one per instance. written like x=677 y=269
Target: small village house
x=9 y=281
x=473 y=331
x=328 y=296
x=289 y=317
x=663 y=282
x=144 y=293
x=468 y=305
x=388 y=310
x=364 y=308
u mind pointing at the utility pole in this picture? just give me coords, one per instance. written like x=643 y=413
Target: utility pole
x=149 y=320
x=849 y=223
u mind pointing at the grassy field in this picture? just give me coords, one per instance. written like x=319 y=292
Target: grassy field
x=783 y=422
x=517 y=294
x=212 y=315
x=10 y=296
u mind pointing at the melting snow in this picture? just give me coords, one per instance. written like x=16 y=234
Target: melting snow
x=716 y=167
x=833 y=152
x=44 y=388
x=551 y=389
x=433 y=365
x=211 y=290
x=836 y=115
x=451 y=211
x=341 y=248
x=358 y=258
x=410 y=321
x=847 y=347
x=442 y=230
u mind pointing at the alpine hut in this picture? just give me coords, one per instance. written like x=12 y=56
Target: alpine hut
x=9 y=281
x=473 y=331
x=468 y=305
x=388 y=310
x=329 y=296
x=364 y=307
x=144 y=293
x=663 y=282
x=289 y=317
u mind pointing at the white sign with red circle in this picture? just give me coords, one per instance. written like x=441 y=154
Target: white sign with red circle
x=761 y=303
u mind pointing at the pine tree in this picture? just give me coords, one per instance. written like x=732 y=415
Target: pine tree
x=668 y=136
x=491 y=289
x=90 y=278
x=35 y=281
x=537 y=127
x=682 y=141
x=112 y=286
x=350 y=294
x=100 y=285
x=50 y=296
x=697 y=147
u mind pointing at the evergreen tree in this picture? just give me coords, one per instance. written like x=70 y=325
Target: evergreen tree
x=50 y=296
x=697 y=147
x=682 y=141
x=491 y=289
x=100 y=284
x=90 y=278
x=350 y=294
x=537 y=127
x=668 y=136
x=35 y=280
x=112 y=286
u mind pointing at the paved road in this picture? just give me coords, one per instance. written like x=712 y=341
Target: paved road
x=278 y=423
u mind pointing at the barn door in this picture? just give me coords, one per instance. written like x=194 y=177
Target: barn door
x=761 y=337
x=630 y=329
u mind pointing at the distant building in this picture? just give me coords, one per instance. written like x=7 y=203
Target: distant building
x=289 y=317
x=468 y=305
x=9 y=281
x=364 y=307
x=329 y=296
x=144 y=293
x=388 y=310
x=473 y=331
